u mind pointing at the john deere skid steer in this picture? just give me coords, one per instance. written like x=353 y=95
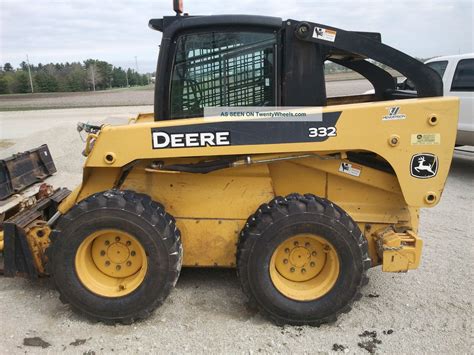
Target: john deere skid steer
x=302 y=205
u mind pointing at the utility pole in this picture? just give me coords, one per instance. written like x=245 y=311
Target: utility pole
x=93 y=76
x=29 y=73
x=136 y=63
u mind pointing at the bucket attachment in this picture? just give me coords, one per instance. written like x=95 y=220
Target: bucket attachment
x=25 y=169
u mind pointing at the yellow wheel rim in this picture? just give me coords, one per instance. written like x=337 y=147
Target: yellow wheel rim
x=304 y=267
x=111 y=263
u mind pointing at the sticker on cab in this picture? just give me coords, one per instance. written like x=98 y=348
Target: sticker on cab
x=425 y=139
x=325 y=34
x=350 y=169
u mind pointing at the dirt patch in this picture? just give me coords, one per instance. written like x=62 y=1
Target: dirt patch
x=36 y=341
x=370 y=341
x=338 y=347
x=78 y=342
x=5 y=143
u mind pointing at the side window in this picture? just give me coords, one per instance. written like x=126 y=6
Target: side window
x=463 y=79
x=439 y=67
x=222 y=69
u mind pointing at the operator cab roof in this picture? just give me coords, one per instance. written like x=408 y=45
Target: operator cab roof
x=213 y=20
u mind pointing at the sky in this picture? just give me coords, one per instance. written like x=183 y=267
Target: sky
x=117 y=31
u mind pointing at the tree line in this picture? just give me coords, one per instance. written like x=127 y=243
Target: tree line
x=90 y=75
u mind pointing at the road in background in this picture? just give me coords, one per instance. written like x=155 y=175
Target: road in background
x=134 y=96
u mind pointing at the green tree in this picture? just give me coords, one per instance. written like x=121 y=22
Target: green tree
x=7 y=67
x=105 y=69
x=119 y=77
x=4 y=85
x=24 y=66
x=21 y=83
x=77 y=78
x=46 y=82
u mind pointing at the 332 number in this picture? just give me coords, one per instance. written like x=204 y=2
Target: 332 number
x=322 y=132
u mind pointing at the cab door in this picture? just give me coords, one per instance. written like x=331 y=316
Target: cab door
x=222 y=68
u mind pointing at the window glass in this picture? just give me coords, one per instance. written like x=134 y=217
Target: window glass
x=222 y=69
x=463 y=79
x=439 y=67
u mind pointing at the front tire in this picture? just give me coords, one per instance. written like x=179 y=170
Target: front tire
x=115 y=256
x=302 y=260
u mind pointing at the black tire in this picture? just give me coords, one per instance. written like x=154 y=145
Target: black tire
x=132 y=213
x=277 y=221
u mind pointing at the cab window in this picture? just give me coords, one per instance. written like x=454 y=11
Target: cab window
x=222 y=69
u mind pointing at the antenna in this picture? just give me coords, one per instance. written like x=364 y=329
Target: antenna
x=178 y=7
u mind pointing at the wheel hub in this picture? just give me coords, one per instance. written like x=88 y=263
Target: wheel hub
x=114 y=254
x=118 y=253
x=111 y=263
x=304 y=267
x=300 y=258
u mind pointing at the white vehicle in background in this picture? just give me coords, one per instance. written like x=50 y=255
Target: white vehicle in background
x=457 y=72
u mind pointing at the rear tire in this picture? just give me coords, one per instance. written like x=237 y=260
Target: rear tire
x=302 y=260
x=115 y=256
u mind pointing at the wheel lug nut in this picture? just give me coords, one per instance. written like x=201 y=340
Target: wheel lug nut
x=312 y=264
x=128 y=243
x=132 y=253
x=118 y=267
x=106 y=242
x=313 y=253
x=307 y=245
x=129 y=263
x=285 y=261
x=303 y=271
x=296 y=244
x=102 y=252
x=117 y=239
x=121 y=287
x=107 y=263
x=292 y=269
x=287 y=250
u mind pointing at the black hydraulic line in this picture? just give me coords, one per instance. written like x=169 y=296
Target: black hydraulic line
x=199 y=168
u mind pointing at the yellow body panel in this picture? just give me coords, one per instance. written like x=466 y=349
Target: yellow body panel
x=212 y=208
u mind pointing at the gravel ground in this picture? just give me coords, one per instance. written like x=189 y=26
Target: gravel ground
x=137 y=96
x=424 y=311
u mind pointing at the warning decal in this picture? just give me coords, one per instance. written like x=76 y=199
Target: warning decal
x=325 y=34
x=350 y=169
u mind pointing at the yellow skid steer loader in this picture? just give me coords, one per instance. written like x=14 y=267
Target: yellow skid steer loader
x=301 y=207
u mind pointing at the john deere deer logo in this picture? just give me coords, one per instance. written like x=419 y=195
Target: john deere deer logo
x=424 y=165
